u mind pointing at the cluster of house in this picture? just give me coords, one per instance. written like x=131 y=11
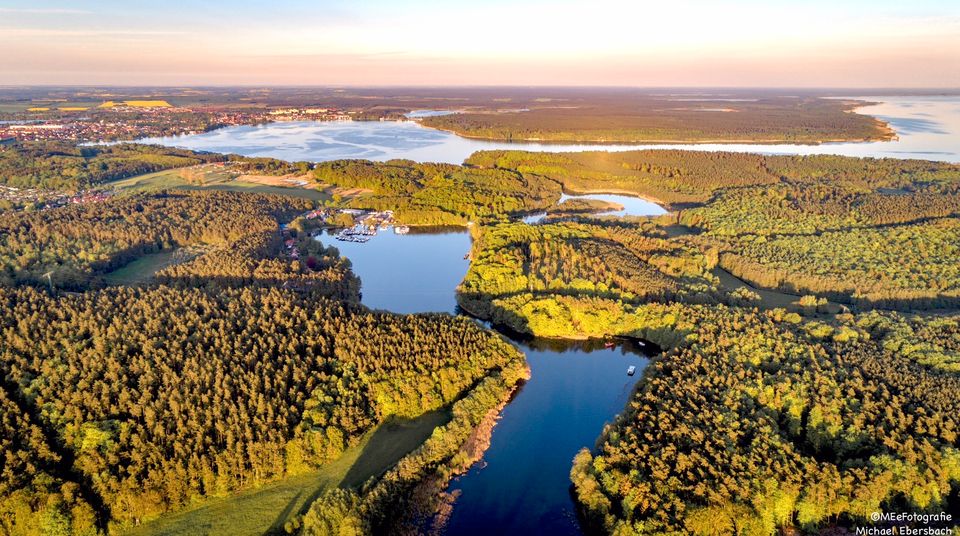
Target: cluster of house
x=92 y=196
x=32 y=131
x=114 y=124
x=309 y=114
x=291 y=246
x=49 y=198
x=23 y=196
x=321 y=213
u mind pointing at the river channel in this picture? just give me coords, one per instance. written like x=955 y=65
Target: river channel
x=522 y=483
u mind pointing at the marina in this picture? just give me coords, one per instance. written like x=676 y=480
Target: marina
x=366 y=226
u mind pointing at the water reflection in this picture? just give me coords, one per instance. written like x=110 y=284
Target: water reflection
x=915 y=125
x=632 y=206
x=576 y=387
x=522 y=485
x=412 y=273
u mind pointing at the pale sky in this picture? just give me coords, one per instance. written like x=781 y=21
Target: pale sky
x=812 y=43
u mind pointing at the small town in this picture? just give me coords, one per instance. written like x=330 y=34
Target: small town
x=123 y=122
x=40 y=199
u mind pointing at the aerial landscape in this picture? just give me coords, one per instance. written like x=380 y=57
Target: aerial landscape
x=478 y=269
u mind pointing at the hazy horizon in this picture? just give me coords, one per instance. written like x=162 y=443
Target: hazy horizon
x=425 y=43
x=813 y=90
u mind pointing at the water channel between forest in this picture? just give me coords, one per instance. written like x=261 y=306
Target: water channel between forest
x=522 y=483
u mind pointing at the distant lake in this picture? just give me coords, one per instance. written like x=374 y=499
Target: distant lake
x=416 y=114
x=928 y=127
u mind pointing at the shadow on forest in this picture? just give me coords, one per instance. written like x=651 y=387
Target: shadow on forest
x=392 y=440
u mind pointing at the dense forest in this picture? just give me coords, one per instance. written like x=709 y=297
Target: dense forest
x=405 y=499
x=865 y=232
x=757 y=422
x=440 y=194
x=166 y=394
x=758 y=418
x=243 y=362
x=238 y=366
x=268 y=166
x=65 y=166
x=259 y=259
x=35 y=498
x=552 y=265
x=666 y=119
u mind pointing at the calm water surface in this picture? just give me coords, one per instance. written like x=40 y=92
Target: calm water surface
x=522 y=484
x=412 y=273
x=632 y=206
x=928 y=128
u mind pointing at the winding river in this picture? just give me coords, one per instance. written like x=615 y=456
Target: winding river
x=522 y=484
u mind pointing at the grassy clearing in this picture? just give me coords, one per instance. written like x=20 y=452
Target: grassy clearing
x=208 y=177
x=142 y=269
x=265 y=510
x=170 y=178
x=769 y=299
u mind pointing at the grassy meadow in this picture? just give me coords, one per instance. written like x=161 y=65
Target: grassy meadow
x=266 y=509
x=208 y=177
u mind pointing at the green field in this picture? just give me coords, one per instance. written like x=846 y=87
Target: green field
x=141 y=269
x=208 y=178
x=265 y=510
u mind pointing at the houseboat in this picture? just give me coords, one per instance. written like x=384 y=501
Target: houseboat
x=631 y=371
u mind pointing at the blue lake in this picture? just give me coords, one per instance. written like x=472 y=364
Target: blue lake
x=411 y=273
x=522 y=486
